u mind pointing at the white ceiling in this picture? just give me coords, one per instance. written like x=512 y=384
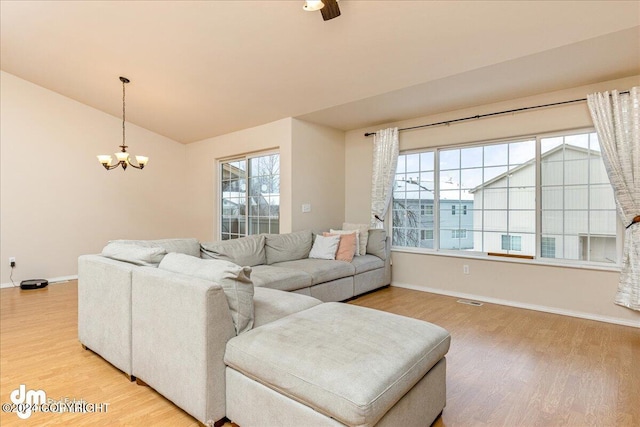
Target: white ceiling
x=201 y=69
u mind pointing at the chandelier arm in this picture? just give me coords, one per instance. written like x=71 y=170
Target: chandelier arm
x=136 y=166
x=110 y=167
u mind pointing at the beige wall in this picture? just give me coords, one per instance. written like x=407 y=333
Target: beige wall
x=57 y=202
x=560 y=289
x=318 y=172
x=311 y=171
x=202 y=187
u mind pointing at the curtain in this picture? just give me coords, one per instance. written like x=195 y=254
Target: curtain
x=385 y=159
x=617 y=120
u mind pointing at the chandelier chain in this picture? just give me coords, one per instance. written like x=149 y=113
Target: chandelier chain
x=123 y=117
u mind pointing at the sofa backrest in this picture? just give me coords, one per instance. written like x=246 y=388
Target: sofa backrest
x=245 y=251
x=288 y=247
x=183 y=246
x=149 y=252
x=376 y=244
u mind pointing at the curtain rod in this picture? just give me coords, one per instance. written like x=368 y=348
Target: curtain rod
x=480 y=116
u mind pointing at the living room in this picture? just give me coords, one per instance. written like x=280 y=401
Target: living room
x=58 y=203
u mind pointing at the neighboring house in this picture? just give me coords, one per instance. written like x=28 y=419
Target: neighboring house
x=413 y=200
x=578 y=208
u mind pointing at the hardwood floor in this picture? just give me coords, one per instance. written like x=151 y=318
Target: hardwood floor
x=506 y=366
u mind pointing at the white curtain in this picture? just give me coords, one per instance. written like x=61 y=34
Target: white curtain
x=617 y=121
x=385 y=159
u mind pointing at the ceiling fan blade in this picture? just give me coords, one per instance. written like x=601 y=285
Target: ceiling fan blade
x=330 y=10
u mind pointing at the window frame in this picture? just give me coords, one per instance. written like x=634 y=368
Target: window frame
x=220 y=199
x=537 y=259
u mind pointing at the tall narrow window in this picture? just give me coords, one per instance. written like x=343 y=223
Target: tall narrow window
x=250 y=190
x=413 y=198
x=578 y=207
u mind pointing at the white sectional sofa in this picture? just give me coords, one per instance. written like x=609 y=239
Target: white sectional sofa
x=296 y=361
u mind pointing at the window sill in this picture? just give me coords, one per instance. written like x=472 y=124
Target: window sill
x=484 y=257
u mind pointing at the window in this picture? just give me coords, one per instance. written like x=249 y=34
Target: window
x=426 y=234
x=250 y=196
x=511 y=243
x=547 y=197
x=548 y=247
x=427 y=209
x=458 y=234
x=413 y=189
x=578 y=207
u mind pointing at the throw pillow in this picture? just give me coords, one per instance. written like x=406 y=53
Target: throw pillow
x=347 y=246
x=234 y=279
x=288 y=247
x=357 y=233
x=243 y=251
x=363 y=231
x=135 y=254
x=325 y=247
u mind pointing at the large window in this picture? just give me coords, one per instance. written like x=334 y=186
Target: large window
x=250 y=196
x=544 y=197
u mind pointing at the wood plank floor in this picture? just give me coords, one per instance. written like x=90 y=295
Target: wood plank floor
x=506 y=366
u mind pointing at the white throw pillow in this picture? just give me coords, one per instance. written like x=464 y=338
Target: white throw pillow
x=345 y=231
x=325 y=247
x=363 y=230
x=234 y=279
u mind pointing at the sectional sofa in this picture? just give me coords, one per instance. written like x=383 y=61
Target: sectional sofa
x=252 y=337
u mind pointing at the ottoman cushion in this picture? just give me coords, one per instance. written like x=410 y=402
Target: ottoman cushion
x=350 y=363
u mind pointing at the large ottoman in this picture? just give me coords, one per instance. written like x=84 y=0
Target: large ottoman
x=337 y=364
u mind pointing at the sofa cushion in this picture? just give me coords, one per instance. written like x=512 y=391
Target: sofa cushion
x=348 y=362
x=134 y=254
x=243 y=251
x=271 y=304
x=320 y=270
x=288 y=247
x=284 y=279
x=367 y=263
x=376 y=244
x=234 y=279
x=183 y=246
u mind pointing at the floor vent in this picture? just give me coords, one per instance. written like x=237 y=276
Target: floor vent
x=469 y=302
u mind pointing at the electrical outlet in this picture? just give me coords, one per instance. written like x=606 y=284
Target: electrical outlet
x=12 y=261
x=465 y=269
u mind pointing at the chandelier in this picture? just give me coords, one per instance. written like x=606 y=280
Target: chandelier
x=122 y=156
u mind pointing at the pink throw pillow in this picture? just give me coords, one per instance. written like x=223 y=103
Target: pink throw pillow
x=347 y=246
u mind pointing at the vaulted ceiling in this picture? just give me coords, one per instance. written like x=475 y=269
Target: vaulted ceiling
x=201 y=69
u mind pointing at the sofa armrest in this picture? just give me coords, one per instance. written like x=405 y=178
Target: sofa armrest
x=104 y=308
x=180 y=327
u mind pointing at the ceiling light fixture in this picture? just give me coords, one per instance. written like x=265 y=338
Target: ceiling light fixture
x=122 y=156
x=328 y=8
x=313 y=5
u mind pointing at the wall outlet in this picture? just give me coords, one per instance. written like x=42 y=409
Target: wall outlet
x=306 y=207
x=12 y=261
x=465 y=269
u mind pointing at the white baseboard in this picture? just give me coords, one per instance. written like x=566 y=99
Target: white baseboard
x=53 y=280
x=553 y=310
